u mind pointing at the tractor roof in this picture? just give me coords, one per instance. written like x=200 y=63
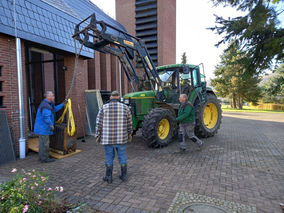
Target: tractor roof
x=176 y=66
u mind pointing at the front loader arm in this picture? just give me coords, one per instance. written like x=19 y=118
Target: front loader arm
x=101 y=36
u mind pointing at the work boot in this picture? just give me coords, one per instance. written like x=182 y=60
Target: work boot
x=198 y=142
x=123 y=175
x=108 y=176
x=180 y=151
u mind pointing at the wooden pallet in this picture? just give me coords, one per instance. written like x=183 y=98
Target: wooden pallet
x=33 y=145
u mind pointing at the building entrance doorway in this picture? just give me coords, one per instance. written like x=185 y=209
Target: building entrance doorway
x=45 y=71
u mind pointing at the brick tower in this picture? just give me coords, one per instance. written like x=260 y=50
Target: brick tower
x=155 y=22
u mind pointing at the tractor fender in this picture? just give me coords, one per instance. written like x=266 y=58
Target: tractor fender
x=198 y=99
x=170 y=107
x=210 y=90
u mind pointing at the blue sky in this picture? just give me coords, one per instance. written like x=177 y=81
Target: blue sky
x=193 y=17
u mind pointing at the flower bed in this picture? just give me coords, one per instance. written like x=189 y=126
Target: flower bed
x=28 y=192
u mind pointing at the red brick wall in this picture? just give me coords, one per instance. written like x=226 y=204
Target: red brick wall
x=103 y=73
x=166 y=32
x=125 y=14
x=78 y=90
x=10 y=84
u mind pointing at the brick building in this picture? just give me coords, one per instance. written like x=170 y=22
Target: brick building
x=45 y=28
x=154 y=21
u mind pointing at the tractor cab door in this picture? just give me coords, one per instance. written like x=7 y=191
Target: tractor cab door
x=199 y=83
x=191 y=85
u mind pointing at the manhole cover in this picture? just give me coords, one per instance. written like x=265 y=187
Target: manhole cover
x=185 y=202
x=202 y=208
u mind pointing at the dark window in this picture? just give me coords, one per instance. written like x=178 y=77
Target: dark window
x=1 y=101
x=0 y=70
x=1 y=86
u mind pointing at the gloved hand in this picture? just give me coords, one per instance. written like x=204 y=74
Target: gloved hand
x=98 y=139
x=65 y=101
x=129 y=137
x=51 y=128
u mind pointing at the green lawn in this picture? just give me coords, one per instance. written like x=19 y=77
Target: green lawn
x=227 y=108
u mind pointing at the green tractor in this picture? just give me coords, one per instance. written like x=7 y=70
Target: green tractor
x=154 y=106
x=157 y=119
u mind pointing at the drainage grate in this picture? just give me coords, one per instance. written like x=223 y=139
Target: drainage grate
x=189 y=203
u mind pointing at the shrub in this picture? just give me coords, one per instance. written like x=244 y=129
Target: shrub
x=28 y=192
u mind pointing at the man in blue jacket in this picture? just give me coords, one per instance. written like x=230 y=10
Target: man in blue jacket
x=44 y=124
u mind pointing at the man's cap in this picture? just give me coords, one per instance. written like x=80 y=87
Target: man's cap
x=115 y=93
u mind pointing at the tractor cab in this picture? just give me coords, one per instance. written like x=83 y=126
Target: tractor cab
x=181 y=79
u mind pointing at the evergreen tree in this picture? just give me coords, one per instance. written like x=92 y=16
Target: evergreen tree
x=258 y=33
x=230 y=81
x=184 y=58
x=273 y=89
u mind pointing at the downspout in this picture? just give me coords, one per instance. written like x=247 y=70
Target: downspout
x=22 y=140
x=120 y=83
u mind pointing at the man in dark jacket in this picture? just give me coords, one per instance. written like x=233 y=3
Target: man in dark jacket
x=44 y=124
x=114 y=129
x=186 y=119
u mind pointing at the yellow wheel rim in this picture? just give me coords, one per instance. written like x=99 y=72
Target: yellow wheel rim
x=163 y=128
x=210 y=115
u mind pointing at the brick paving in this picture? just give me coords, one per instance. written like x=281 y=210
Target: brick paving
x=243 y=163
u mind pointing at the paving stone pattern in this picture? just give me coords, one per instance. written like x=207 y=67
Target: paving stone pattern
x=243 y=163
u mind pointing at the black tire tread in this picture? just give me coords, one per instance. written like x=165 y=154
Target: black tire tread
x=149 y=127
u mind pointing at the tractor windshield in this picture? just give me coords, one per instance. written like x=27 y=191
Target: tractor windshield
x=185 y=76
x=169 y=79
x=165 y=75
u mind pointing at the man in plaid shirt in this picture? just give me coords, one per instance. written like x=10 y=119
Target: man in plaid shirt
x=114 y=129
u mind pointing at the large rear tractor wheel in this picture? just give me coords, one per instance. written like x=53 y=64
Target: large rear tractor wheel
x=208 y=117
x=158 y=127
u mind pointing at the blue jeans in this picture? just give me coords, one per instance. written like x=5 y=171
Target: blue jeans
x=110 y=154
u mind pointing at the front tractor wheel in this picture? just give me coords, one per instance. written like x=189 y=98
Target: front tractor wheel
x=158 y=127
x=208 y=117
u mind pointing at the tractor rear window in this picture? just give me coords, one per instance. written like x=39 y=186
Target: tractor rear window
x=185 y=76
x=203 y=78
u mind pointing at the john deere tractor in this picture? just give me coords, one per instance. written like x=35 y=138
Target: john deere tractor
x=157 y=119
x=154 y=102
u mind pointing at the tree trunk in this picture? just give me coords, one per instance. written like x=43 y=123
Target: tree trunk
x=234 y=105
x=240 y=102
